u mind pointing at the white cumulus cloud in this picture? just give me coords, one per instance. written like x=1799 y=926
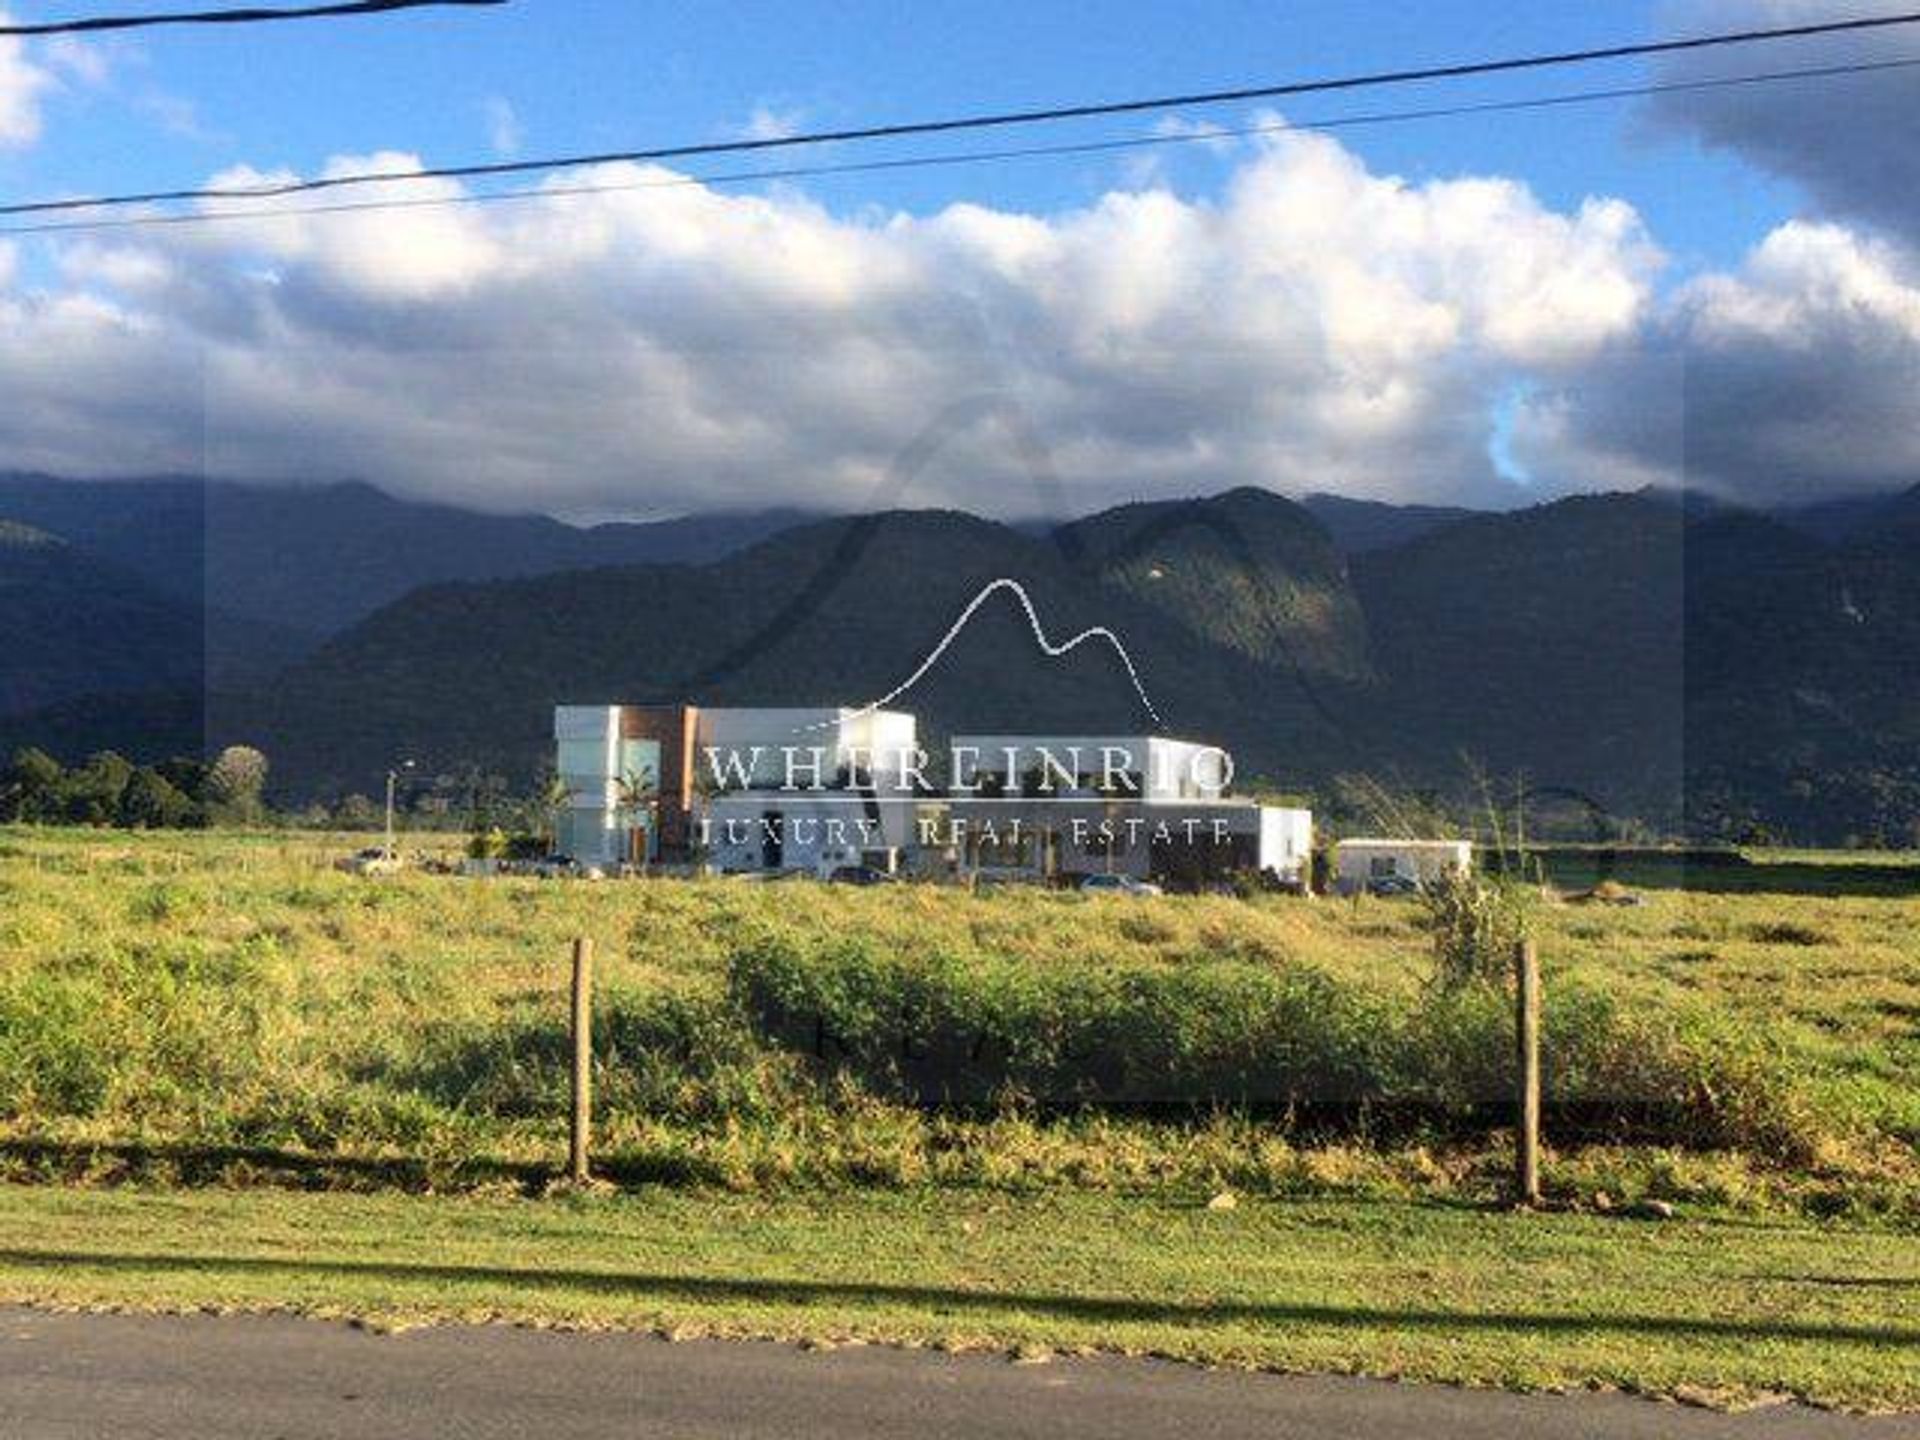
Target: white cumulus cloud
x=23 y=84
x=1788 y=378
x=668 y=347
x=504 y=132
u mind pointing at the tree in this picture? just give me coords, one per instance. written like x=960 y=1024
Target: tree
x=636 y=798
x=487 y=795
x=187 y=774
x=30 y=786
x=488 y=844
x=235 y=781
x=551 y=801
x=152 y=802
x=91 y=795
x=356 y=812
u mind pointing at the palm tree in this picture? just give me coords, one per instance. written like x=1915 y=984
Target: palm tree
x=636 y=797
x=553 y=799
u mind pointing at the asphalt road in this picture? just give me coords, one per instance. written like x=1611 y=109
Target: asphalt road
x=119 y=1377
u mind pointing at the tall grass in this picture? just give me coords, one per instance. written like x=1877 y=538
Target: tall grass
x=165 y=995
x=1289 y=1040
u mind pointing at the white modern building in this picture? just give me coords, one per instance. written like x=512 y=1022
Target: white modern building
x=1147 y=767
x=1062 y=807
x=743 y=789
x=811 y=790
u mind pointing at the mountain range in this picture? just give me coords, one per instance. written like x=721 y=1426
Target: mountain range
x=1695 y=667
x=308 y=561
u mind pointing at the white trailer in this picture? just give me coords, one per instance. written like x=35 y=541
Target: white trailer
x=1362 y=864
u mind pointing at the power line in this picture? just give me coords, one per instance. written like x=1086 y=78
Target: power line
x=1282 y=90
x=975 y=157
x=249 y=16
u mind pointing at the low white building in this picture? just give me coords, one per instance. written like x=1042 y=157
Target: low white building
x=1360 y=864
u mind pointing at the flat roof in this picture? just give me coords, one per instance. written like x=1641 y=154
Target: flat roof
x=1381 y=844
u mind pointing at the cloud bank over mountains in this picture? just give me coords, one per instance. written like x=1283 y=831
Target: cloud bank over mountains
x=1801 y=366
x=1847 y=144
x=1315 y=325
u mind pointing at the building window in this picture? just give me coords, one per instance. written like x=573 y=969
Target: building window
x=640 y=761
x=582 y=763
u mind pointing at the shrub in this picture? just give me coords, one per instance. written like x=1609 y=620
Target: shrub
x=675 y=1052
x=1233 y=1034
x=488 y=844
x=1476 y=921
x=1787 y=932
x=54 y=1047
x=941 y=1029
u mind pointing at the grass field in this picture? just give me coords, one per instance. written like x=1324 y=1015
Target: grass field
x=1719 y=1311
x=185 y=1006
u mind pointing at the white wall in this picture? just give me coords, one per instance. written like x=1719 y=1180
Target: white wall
x=1166 y=766
x=881 y=737
x=1286 y=841
x=816 y=832
x=587 y=757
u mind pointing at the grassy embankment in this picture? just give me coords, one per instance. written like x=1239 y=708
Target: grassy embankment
x=225 y=1007
x=1723 y=1311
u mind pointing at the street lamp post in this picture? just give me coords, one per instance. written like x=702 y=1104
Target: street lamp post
x=393 y=779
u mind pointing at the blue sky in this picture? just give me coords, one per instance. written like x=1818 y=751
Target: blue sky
x=560 y=76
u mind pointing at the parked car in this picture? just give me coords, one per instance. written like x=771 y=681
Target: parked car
x=861 y=875
x=372 y=861
x=1391 y=885
x=566 y=867
x=1118 y=885
x=997 y=879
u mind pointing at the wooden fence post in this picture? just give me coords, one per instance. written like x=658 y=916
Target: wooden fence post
x=582 y=1059
x=1527 y=1036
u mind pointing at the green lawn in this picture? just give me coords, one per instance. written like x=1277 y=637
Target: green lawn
x=1723 y=1309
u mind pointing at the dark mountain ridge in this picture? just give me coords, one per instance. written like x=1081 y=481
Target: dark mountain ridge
x=838 y=612
x=313 y=559
x=1246 y=570
x=71 y=625
x=1855 y=517
x=1698 y=668
x=1359 y=526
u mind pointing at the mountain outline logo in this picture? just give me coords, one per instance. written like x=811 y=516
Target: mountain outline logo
x=1047 y=647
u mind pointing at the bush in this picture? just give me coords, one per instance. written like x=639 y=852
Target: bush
x=54 y=1049
x=943 y=1030
x=487 y=844
x=1231 y=1034
x=253 y=997
x=1477 y=920
x=670 y=1052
